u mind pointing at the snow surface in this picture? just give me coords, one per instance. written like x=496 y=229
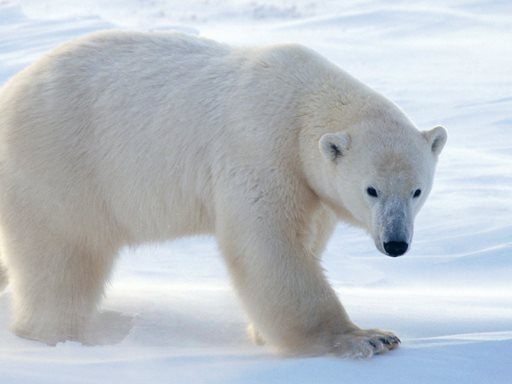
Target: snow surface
x=170 y=314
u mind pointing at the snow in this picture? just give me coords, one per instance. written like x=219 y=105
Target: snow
x=170 y=314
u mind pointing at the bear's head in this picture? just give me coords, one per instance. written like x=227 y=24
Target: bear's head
x=378 y=177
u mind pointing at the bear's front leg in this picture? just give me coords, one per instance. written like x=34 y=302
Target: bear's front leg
x=284 y=290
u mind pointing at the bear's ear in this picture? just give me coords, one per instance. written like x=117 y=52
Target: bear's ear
x=436 y=138
x=334 y=145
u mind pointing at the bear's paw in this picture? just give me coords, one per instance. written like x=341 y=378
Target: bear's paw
x=364 y=343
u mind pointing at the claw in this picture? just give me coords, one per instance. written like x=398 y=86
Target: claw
x=365 y=343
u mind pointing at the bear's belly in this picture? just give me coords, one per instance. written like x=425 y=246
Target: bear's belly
x=150 y=217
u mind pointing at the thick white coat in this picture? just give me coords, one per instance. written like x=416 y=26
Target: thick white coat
x=122 y=138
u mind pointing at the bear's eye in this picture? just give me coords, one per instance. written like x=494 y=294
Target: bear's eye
x=371 y=191
x=417 y=193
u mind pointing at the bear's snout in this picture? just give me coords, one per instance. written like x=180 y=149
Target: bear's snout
x=396 y=248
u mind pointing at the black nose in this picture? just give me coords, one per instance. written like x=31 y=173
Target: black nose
x=396 y=248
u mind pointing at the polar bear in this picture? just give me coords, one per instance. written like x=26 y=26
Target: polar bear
x=121 y=138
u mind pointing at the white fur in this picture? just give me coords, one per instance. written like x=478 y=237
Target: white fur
x=124 y=138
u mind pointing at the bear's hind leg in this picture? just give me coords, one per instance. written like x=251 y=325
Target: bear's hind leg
x=56 y=287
